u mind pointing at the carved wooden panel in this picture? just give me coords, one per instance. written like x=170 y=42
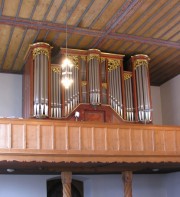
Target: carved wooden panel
x=35 y=140
x=98 y=116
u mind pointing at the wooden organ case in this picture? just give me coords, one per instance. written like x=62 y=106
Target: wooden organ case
x=101 y=89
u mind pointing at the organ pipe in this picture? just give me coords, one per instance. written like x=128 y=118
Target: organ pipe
x=56 y=93
x=40 y=56
x=37 y=81
x=94 y=80
x=142 y=87
x=115 y=85
x=129 y=96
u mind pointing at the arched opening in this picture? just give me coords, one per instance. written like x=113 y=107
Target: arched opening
x=54 y=188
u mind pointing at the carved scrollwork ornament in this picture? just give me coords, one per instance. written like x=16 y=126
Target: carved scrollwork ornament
x=83 y=57
x=103 y=59
x=127 y=76
x=83 y=83
x=104 y=85
x=140 y=62
x=74 y=59
x=40 y=50
x=56 y=69
x=93 y=56
x=113 y=64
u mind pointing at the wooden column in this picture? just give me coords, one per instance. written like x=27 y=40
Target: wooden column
x=127 y=180
x=66 y=178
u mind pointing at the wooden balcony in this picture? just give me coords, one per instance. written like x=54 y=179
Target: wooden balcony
x=52 y=141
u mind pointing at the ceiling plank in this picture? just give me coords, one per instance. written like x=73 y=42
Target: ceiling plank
x=151 y=21
x=120 y=17
x=27 y=39
x=167 y=26
x=165 y=63
x=7 y=47
x=134 y=21
x=163 y=21
x=5 y=33
x=13 y=47
x=64 y=15
x=19 y=45
x=10 y=10
x=2 y=6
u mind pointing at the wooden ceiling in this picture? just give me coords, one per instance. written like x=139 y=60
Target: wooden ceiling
x=126 y=27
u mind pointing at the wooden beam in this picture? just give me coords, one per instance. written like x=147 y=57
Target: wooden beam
x=44 y=25
x=120 y=17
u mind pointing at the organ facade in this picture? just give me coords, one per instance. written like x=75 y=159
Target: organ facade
x=102 y=89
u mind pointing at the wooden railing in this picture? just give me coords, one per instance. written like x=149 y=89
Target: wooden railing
x=55 y=141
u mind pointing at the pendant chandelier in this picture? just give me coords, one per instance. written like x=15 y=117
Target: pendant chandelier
x=66 y=64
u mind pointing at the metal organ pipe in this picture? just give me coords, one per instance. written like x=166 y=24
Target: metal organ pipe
x=94 y=81
x=120 y=103
x=72 y=93
x=129 y=96
x=56 y=110
x=141 y=95
x=131 y=101
x=140 y=66
x=115 y=89
x=41 y=64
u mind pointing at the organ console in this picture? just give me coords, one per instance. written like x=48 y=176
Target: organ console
x=101 y=89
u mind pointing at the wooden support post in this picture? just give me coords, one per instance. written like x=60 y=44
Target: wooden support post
x=127 y=180
x=66 y=178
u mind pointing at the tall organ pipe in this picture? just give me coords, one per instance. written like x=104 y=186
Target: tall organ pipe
x=129 y=96
x=56 y=110
x=115 y=86
x=140 y=69
x=94 y=81
x=41 y=54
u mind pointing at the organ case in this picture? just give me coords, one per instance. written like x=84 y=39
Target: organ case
x=101 y=87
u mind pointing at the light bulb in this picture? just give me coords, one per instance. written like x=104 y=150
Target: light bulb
x=66 y=82
x=67 y=63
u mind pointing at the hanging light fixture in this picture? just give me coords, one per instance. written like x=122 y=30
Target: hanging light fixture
x=66 y=64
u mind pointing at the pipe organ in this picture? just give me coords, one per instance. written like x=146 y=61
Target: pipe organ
x=100 y=84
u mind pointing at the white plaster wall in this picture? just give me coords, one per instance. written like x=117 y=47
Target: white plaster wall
x=156 y=105
x=166 y=185
x=149 y=186
x=103 y=186
x=10 y=95
x=172 y=184
x=170 y=99
x=23 y=186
